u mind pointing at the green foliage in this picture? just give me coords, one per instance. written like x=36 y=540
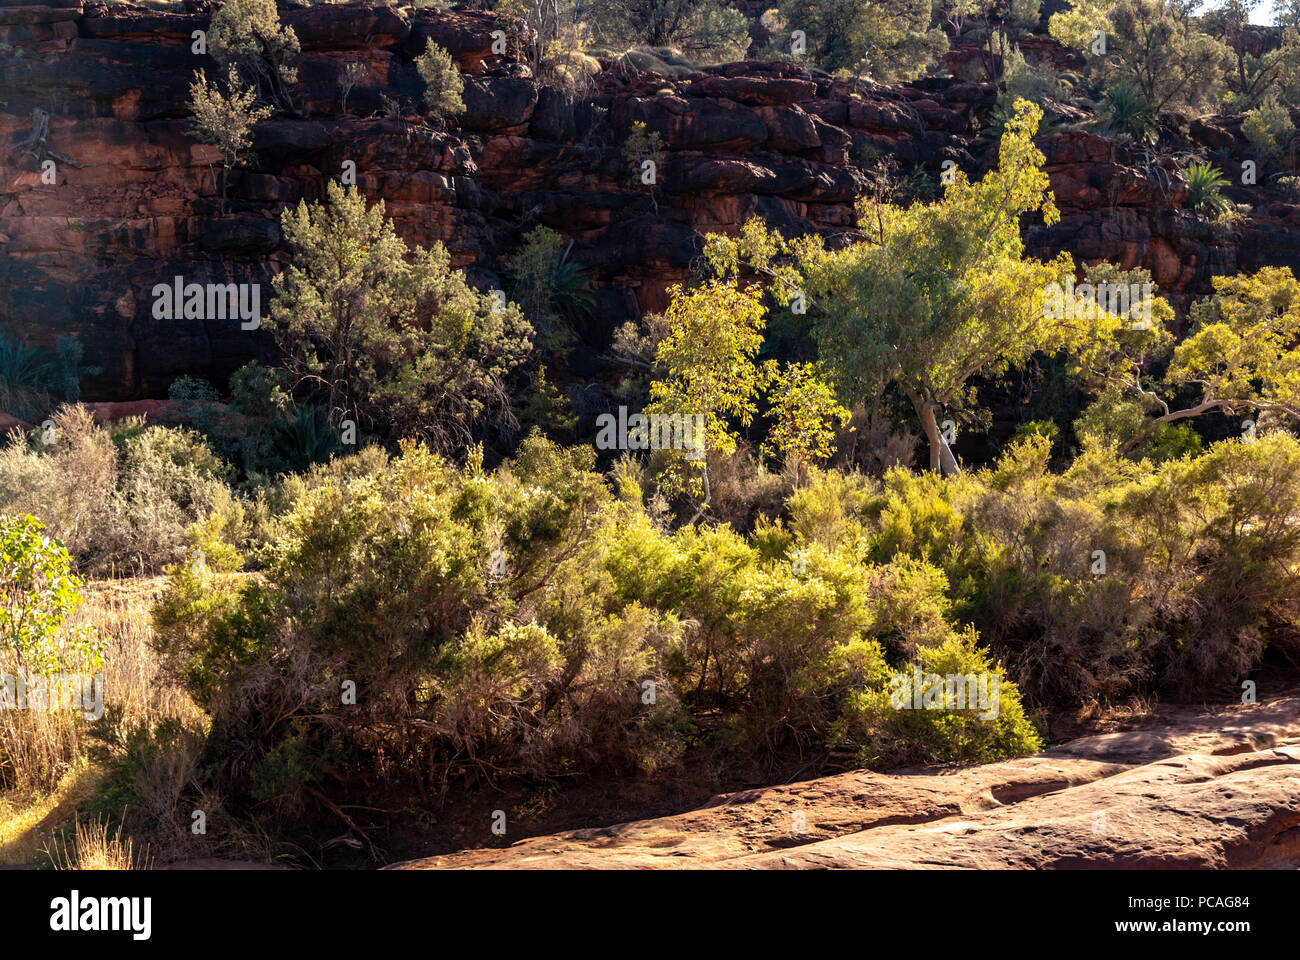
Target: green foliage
x=247 y=38
x=258 y=391
x=551 y=290
x=1269 y=129
x=643 y=147
x=713 y=334
x=197 y=404
x=886 y=737
x=38 y=595
x=805 y=415
x=706 y=30
x=33 y=380
x=1249 y=78
x=303 y=437
x=899 y=40
x=22 y=377
x=389 y=337
x=225 y=120
x=1123 y=420
x=1036 y=428
x=442 y=83
x=1076 y=26
x=1155 y=47
x=1027 y=82
x=1206 y=182
x=1168 y=608
x=120 y=498
x=390 y=578
x=993 y=26
x=1241 y=353
x=147 y=767
x=1125 y=113
x=1290 y=187
x=1239 y=358
x=938 y=293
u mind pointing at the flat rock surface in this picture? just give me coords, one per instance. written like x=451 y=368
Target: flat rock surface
x=1186 y=789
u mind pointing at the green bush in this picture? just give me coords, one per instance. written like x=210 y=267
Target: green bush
x=885 y=736
x=1269 y=129
x=1177 y=600
x=524 y=621
x=38 y=595
x=442 y=83
x=120 y=498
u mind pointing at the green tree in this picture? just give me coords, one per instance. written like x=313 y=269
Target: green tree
x=1241 y=355
x=391 y=335
x=805 y=415
x=225 y=120
x=351 y=75
x=706 y=359
x=1249 y=79
x=1077 y=26
x=248 y=34
x=1157 y=48
x=705 y=29
x=442 y=83
x=38 y=594
x=994 y=26
x=896 y=38
x=938 y=293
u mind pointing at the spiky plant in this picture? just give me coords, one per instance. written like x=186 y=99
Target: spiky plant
x=1124 y=112
x=305 y=437
x=1206 y=183
x=571 y=297
x=25 y=374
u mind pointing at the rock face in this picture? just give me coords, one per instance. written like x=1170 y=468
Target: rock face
x=1209 y=790
x=131 y=201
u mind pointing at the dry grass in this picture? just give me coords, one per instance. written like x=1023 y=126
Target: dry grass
x=96 y=846
x=39 y=747
x=122 y=610
x=44 y=770
x=26 y=818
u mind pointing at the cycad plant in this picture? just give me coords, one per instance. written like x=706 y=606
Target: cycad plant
x=1125 y=113
x=1206 y=183
x=33 y=379
x=24 y=377
x=304 y=437
x=570 y=294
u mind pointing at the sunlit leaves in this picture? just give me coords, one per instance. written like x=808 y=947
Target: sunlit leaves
x=39 y=593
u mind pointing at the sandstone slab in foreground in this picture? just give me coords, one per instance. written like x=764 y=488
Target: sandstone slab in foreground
x=1217 y=789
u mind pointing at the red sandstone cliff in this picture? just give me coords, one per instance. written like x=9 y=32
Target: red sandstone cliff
x=135 y=200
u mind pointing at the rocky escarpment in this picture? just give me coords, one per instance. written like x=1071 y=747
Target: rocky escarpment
x=133 y=200
x=1219 y=789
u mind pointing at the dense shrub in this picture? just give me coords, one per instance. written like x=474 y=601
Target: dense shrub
x=1195 y=570
x=442 y=83
x=524 y=620
x=120 y=498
